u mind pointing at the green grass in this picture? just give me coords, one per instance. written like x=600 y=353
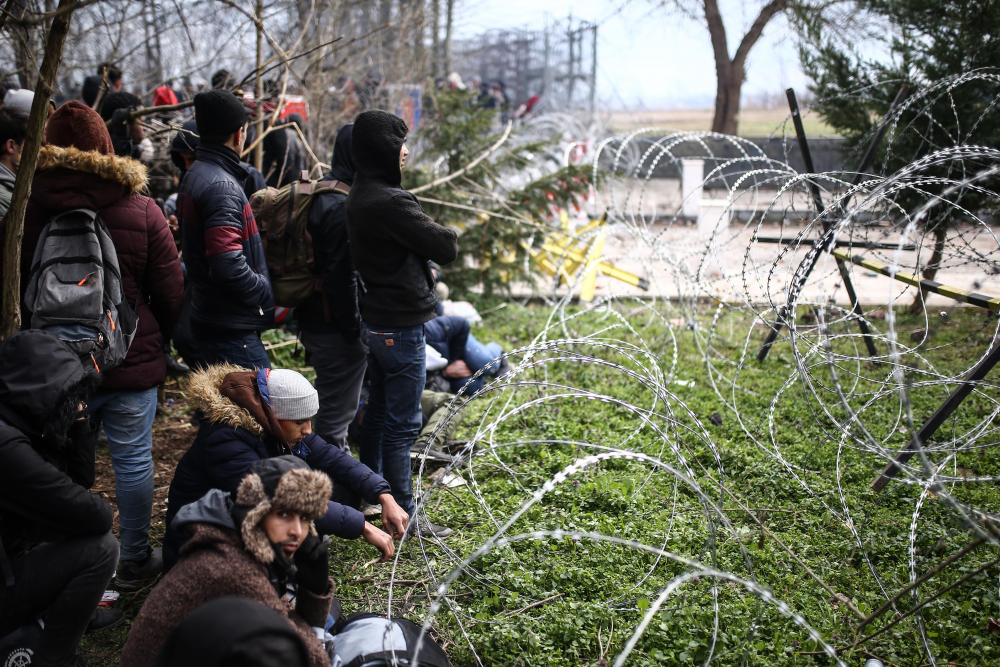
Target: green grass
x=641 y=384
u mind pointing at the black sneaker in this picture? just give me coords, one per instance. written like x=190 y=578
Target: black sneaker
x=175 y=368
x=105 y=618
x=134 y=574
x=79 y=662
x=504 y=368
x=428 y=529
x=455 y=446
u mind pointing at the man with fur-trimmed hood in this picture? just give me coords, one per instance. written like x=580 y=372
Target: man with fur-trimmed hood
x=78 y=168
x=247 y=416
x=256 y=548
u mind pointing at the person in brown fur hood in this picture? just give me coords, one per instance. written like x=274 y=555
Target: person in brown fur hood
x=256 y=548
x=78 y=168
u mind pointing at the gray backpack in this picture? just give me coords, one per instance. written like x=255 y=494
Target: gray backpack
x=75 y=289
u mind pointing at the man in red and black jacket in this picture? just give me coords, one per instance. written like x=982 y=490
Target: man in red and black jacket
x=231 y=291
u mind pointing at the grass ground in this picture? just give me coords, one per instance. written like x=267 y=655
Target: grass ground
x=753 y=122
x=756 y=485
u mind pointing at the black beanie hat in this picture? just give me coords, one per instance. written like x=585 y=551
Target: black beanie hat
x=219 y=113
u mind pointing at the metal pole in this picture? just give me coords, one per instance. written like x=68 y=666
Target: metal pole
x=593 y=70
x=940 y=416
x=817 y=199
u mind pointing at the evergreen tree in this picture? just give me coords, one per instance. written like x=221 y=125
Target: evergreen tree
x=947 y=51
x=504 y=201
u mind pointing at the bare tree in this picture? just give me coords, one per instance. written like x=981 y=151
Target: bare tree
x=730 y=70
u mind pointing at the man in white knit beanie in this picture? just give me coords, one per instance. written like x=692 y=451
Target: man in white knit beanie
x=253 y=415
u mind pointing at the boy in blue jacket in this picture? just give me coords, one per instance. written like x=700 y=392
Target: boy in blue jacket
x=252 y=415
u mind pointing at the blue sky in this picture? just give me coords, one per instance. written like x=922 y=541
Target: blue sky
x=649 y=56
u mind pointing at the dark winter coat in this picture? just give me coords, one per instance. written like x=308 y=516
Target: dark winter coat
x=285 y=157
x=43 y=487
x=335 y=309
x=69 y=178
x=391 y=236
x=238 y=429
x=214 y=563
x=223 y=253
x=187 y=141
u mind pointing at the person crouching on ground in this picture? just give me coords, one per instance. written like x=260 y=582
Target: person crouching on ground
x=257 y=549
x=60 y=552
x=253 y=415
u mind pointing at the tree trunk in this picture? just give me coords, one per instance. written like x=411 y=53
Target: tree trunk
x=731 y=72
x=436 y=38
x=448 y=24
x=258 y=154
x=931 y=269
x=54 y=43
x=24 y=56
x=727 y=100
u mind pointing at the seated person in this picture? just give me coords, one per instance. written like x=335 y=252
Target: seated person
x=450 y=337
x=256 y=549
x=234 y=632
x=251 y=415
x=60 y=553
x=436 y=436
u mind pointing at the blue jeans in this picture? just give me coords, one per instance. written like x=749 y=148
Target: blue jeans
x=127 y=417
x=241 y=348
x=396 y=366
x=477 y=356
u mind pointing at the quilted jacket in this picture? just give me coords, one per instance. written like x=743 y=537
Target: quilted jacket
x=223 y=254
x=237 y=430
x=69 y=178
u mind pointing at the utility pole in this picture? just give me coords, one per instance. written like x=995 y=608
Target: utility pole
x=571 y=77
x=593 y=70
x=258 y=154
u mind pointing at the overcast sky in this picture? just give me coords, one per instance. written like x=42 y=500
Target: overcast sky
x=649 y=56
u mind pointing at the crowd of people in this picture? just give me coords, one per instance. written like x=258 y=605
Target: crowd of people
x=269 y=477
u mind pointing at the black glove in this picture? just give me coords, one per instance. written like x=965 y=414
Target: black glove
x=312 y=559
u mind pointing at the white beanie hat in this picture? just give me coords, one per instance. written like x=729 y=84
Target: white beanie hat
x=291 y=396
x=20 y=100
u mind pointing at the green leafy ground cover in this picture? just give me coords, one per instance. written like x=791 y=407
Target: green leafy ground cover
x=605 y=388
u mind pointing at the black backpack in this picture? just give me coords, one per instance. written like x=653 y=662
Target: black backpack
x=369 y=640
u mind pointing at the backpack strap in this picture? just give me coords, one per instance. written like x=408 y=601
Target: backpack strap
x=337 y=186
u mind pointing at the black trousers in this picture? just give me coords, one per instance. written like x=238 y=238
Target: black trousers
x=61 y=582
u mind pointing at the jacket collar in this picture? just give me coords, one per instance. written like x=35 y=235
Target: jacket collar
x=6 y=175
x=123 y=171
x=224 y=157
x=231 y=395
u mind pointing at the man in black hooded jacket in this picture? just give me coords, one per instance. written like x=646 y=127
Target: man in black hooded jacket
x=330 y=321
x=392 y=240
x=58 y=553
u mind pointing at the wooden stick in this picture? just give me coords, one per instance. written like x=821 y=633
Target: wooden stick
x=471 y=165
x=54 y=43
x=533 y=605
x=927 y=575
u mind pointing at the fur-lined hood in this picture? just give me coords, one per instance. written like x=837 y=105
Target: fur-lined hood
x=129 y=173
x=229 y=394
